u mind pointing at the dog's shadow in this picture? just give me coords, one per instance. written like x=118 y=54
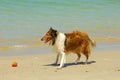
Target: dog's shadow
x=71 y=64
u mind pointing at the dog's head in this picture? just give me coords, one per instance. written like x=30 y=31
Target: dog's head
x=50 y=36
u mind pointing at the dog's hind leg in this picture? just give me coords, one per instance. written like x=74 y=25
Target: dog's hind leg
x=78 y=59
x=87 y=57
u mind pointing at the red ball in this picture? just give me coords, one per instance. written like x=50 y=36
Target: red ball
x=14 y=64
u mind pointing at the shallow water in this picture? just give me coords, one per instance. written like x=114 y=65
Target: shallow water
x=31 y=18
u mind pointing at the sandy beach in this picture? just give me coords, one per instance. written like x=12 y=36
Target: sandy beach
x=103 y=65
x=24 y=22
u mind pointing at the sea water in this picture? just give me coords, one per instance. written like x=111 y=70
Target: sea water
x=24 y=22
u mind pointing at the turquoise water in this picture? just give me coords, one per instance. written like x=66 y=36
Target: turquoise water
x=23 y=21
x=29 y=18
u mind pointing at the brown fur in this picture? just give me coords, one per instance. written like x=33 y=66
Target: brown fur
x=78 y=42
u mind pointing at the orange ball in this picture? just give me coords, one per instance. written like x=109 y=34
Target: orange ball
x=14 y=64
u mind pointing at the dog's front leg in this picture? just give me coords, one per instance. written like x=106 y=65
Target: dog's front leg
x=63 y=59
x=57 y=58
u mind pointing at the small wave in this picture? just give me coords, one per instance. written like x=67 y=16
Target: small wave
x=107 y=39
x=20 y=46
x=10 y=47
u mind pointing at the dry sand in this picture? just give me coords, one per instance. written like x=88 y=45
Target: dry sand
x=103 y=65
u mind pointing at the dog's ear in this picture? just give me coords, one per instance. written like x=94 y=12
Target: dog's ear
x=51 y=28
x=54 y=34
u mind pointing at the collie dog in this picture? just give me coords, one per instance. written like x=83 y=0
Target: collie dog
x=64 y=43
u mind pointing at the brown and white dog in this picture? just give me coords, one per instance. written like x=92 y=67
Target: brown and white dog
x=64 y=43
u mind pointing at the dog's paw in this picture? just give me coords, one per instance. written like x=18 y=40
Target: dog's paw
x=59 y=67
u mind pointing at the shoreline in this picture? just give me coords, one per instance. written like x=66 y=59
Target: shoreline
x=38 y=47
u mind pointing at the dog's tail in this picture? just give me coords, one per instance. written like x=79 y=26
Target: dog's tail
x=93 y=43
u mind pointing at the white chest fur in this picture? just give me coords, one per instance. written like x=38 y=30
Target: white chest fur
x=59 y=43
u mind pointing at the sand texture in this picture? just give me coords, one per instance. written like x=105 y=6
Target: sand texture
x=103 y=65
